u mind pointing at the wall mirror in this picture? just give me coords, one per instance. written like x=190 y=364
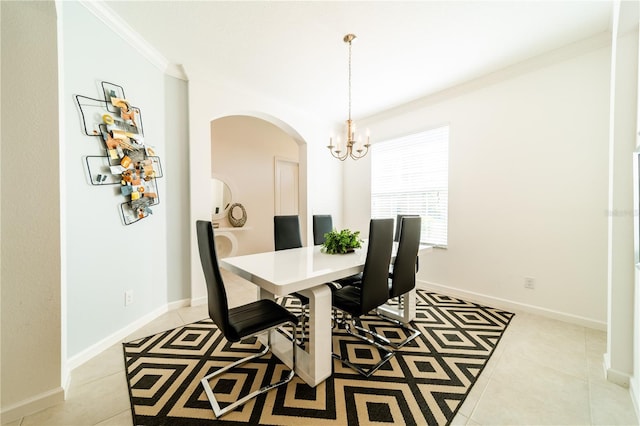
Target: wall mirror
x=221 y=199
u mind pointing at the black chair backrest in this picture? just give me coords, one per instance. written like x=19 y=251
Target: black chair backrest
x=404 y=267
x=286 y=232
x=216 y=294
x=375 y=276
x=399 y=217
x=322 y=224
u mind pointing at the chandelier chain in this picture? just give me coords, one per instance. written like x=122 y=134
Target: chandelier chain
x=349 y=80
x=353 y=146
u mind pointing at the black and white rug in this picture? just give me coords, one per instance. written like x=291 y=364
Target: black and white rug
x=425 y=383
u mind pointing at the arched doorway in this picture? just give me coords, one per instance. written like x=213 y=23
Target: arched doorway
x=247 y=151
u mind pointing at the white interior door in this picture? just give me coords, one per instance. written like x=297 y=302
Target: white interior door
x=286 y=187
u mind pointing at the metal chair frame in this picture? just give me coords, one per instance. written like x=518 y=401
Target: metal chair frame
x=387 y=354
x=413 y=333
x=219 y=412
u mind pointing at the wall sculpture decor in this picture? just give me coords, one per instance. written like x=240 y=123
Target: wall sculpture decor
x=128 y=161
x=235 y=220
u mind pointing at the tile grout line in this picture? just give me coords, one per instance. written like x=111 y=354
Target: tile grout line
x=589 y=385
x=491 y=373
x=111 y=417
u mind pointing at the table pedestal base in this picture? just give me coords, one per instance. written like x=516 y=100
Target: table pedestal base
x=313 y=363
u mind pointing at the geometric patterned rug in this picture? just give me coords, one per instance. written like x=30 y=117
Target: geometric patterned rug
x=425 y=383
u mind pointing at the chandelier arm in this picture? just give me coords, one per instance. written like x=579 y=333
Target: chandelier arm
x=360 y=154
x=337 y=155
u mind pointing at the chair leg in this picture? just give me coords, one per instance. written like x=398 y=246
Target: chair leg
x=335 y=320
x=303 y=318
x=373 y=334
x=395 y=345
x=413 y=333
x=387 y=354
x=219 y=412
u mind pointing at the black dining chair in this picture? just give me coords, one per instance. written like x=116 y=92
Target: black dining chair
x=322 y=224
x=396 y=236
x=286 y=232
x=237 y=323
x=403 y=278
x=355 y=301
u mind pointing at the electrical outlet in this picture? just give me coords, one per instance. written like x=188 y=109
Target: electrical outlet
x=529 y=283
x=128 y=297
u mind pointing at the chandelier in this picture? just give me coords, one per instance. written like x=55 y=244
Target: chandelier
x=354 y=147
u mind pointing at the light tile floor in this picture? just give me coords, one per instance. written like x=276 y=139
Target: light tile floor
x=543 y=372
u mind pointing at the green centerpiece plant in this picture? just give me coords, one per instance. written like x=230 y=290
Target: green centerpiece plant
x=341 y=242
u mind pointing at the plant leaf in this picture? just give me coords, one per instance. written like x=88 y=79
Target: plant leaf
x=342 y=241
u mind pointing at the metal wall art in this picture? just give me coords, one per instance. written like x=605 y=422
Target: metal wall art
x=128 y=162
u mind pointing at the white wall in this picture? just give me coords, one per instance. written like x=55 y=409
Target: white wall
x=635 y=379
x=105 y=258
x=527 y=183
x=211 y=98
x=634 y=384
x=622 y=141
x=176 y=162
x=626 y=23
x=30 y=212
x=66 y=257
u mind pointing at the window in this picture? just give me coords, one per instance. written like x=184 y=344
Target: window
x=409 y=175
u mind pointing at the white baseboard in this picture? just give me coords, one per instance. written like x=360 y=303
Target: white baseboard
x=199 y=301
x=32 y=405
x=178 y=304
x=613 y=375
x=617 y=377
x=118 y=336
x=510 y=305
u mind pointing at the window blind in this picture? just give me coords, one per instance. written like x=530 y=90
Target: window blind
x=410 y=175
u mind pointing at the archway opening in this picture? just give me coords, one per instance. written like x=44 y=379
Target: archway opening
x=249 y=154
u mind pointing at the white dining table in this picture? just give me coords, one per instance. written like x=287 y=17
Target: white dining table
x=307 y=270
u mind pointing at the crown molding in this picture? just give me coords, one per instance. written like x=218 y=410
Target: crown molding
x=130 y=36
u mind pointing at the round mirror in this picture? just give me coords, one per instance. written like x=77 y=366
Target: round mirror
x=221 y=199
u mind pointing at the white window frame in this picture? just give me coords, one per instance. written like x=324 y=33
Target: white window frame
x=410 y=175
